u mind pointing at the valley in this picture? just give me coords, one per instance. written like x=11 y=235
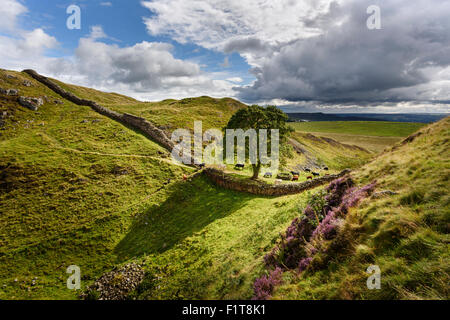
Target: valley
x=79 y=188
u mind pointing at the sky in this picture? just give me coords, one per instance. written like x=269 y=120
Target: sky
x=301 y=55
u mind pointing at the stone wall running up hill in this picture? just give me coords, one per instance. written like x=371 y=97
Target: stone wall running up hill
x=130 y=120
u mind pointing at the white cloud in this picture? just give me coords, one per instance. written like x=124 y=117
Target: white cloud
x=106 y=4
x=213 y=23
x=146 y=71
x=26 y=50
x=9 y=11
x=235 y=79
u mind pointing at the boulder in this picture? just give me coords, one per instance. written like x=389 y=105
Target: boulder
x=26 y=83
x=31 y=103
x=9 y=92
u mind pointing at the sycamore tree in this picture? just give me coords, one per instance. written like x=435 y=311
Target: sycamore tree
x=258 y=118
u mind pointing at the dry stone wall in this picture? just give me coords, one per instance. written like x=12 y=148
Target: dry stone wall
x=130 y=120
x=263 y=189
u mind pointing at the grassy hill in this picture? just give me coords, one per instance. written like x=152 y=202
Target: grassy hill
x=169 y=114
x=79 y=188
x=71 y=181
x=406 y=234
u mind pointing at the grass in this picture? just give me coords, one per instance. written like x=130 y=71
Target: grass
x=374 y=136
x=365 y=128
x=79 y=188
x=68 y=191
x=170 y=114
x=175 y=114
x=406 y=235
x=75 y=187
x=331 y=153
x=373 y=144
x=204 y=242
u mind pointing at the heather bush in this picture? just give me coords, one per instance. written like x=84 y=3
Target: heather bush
x=305 y=236
x=317 y=205
x=304 y=263
x=327 y=229
x=336 y=190
x=263 y=286
x=292 y=245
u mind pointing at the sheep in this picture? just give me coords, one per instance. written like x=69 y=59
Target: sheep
x=239 y=166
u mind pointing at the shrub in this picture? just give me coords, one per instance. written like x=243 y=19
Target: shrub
x=306 y=234
x=317 y=203
x=304 y=263
x=292 y=245
x=263 y=287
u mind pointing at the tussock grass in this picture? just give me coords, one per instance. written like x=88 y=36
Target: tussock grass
x=406 y=235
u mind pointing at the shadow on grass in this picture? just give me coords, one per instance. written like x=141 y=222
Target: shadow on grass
x=189 y=208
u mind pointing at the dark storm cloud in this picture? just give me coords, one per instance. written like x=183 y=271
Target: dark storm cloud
x=349 y=63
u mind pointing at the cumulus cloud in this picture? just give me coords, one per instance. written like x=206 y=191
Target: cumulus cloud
x=146 y=70
x=20 y=47
x=321 y=52
x=352 y=64
x=9 y=11
x=213 y=23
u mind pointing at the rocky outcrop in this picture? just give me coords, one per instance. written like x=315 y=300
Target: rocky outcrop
x=226 y=181
x=9 y=92
x=31 y=103
x=117 y=284
x=133 y=121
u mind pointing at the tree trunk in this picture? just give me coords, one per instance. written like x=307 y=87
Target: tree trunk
x=256 y=169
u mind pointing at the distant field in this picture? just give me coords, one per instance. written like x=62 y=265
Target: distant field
x=374 y=136
x=365 y=128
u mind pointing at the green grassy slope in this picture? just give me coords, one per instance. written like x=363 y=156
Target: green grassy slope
x=68 y=189
x=406 y=235
x=337 y=156
x=367 y=128
x=174 y=114
x=170 y=114
x=204 y=242
x=73 y=184
x=79 y=188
